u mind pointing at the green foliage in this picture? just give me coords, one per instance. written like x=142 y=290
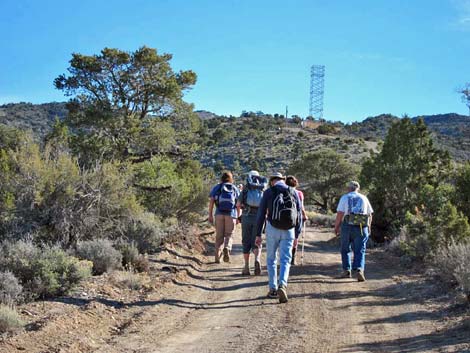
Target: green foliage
x=324 y=175
x=326 y=129
x=395 y=176
x=462 y=189
x=127 y=105
x=101 y=253
x=170 y=189
x=9 y=319
x=434 y=224
x=50 y=197
x=43 y=272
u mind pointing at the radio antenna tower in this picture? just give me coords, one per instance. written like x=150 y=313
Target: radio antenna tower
x=317 y=90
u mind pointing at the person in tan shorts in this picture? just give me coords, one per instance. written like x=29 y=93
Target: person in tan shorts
x=224 y=196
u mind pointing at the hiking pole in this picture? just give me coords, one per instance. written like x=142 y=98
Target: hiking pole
x=303 y=247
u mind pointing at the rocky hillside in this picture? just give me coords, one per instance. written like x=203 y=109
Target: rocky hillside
x=270 y=142
x=451 y=131
x=38 y=118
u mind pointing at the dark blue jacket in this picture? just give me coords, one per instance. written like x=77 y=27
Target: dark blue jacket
x=266 y=207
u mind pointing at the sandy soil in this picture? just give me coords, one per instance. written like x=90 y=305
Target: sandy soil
x=194 y=305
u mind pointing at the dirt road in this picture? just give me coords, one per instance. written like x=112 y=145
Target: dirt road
x=211 y=308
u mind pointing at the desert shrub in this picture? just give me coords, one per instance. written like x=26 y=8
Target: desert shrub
x=146 y=232
x=325 y=129
x=453 y=264
x=324 y=220
x=51 y=198
x=43 y=272
x=10 y=288
x=171 y=189
x=101 y=253
x=131 y=259
x=127 y=279
x=9 y=319
x=435 y=224
x=129 y=253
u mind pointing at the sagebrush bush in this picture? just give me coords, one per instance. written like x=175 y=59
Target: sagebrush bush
x=51 y=198
x=129 y=253
x=453 y=264
x=43 y=272
x=146 y=232
x=9 y=319
x=325 y=220
x=101 y=253
x=127 y=279
x=10 y=288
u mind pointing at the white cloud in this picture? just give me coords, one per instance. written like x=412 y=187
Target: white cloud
x=462 y=20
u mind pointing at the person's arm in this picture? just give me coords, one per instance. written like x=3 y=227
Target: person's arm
x=211 y=210
x=261 y=216
x=370 y=223
x=298 y=225
x=339 y=219
x=239 y=212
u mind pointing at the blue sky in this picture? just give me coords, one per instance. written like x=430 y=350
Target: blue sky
x=381 y=56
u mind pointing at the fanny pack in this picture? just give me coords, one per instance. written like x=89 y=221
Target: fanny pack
x=357 y=220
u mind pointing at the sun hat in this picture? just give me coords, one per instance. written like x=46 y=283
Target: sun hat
x=354 y=185
x=276 y=175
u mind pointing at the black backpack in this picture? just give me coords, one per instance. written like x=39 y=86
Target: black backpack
x=284 y=208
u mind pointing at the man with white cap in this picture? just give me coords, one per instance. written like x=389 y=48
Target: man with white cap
x=281 y=209
x=353 y=221
x=249 y=202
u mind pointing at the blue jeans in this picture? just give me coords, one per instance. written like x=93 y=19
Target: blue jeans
x=353 y=240
x=284 y=240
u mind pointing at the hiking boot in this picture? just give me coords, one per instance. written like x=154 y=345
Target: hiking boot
x=257 y=268
x=273 y=294
x=360 y=276
x=282 y=294
x=346 y=274
x=226 y=255
x=246 y=271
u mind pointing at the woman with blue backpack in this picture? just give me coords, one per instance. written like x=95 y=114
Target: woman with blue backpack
x=224 y=196
x=249 y=202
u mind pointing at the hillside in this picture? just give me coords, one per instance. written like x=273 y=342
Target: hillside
x=36 y=117
x=269 y=142
x=451 y=131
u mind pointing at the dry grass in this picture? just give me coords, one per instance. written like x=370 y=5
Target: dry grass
x=9 y=319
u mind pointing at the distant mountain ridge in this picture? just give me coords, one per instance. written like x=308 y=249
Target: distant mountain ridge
x=451 y=131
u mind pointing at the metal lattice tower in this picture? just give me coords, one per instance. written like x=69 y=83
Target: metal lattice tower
x=317 y=90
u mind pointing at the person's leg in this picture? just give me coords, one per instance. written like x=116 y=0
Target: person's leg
x=285 y=255
x=246 y=244
x=228 y=232
x=256 y=249
x=219 y=235
x=272 y=243
x=360 y=244
x=346 y=247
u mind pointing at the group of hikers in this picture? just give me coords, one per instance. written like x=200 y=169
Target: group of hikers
x=275 y=207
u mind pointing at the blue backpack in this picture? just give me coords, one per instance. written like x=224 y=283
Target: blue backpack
x=255 y=189
x=226 y=197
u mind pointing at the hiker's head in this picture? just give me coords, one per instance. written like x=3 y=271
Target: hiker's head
x=292 y=181
x=353 y=186
x=275 y=177
x=227 y=177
